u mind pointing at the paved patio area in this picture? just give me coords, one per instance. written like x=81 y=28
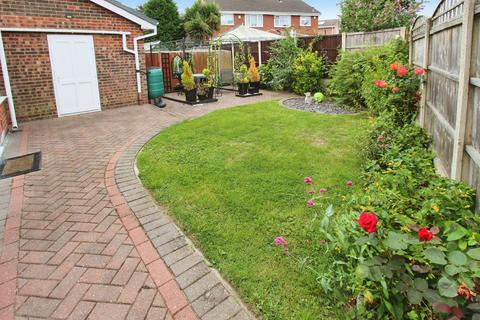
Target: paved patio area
x=82 y=239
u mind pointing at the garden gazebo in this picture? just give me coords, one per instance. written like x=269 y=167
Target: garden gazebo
x=242 y=34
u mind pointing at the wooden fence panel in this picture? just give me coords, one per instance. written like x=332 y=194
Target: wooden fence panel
x=361 y=40
x=450 y=110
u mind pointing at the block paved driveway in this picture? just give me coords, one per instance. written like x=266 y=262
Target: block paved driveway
x=71 y=246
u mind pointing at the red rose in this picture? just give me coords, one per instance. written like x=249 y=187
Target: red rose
x=402 y=71
x=394 y=66
x=419 y=71
x=424 y=234
x=394 y=89
x=381 y=84
x=368 y=221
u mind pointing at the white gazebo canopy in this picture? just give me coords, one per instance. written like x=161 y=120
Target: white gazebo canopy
x=247 y=34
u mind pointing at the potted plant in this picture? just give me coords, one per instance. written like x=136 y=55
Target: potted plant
x=243 y=80
x=188 y=83
x=202 y=92
x=209 y=84
x=254 y=76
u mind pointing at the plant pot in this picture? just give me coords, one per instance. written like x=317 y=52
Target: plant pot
x=191 y=95
x=251 y=90
x=255 y=86
x=242 y=88
x=210 y=92
x=202 y=97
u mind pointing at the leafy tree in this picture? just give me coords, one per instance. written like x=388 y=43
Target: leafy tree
x=371 y=15
x=202 y=20
x=166 y=12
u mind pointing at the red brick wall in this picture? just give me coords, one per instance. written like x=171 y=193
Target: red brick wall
x=3 y=120
x=269 y=25
x=29 y=62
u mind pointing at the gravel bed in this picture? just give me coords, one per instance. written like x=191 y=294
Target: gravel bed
x=326 y=106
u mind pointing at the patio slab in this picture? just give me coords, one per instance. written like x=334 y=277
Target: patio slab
x=82 y=239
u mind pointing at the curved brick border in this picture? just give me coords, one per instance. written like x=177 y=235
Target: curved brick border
x=182 y=272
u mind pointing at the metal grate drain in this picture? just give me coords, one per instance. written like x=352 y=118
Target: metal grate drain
x=20 y=165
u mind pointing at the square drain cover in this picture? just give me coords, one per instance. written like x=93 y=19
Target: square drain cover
x=20 y=165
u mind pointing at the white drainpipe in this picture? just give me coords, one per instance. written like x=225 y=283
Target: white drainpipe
x=137 y=58
x=6 y=82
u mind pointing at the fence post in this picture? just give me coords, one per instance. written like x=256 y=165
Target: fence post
x=344 y=41
x=463 y=89
x=403 y=33
x=410 y=47
x=425 y=64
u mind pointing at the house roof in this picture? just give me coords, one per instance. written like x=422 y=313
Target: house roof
x=266 y=6
x=128 y=13
x=247 y=34
x=328 y=23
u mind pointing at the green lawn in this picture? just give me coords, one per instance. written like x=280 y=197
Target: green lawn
x=233 y=180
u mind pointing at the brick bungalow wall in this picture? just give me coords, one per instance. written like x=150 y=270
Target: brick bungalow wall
x=269 y=25
x=29 y=62
x=3 y=120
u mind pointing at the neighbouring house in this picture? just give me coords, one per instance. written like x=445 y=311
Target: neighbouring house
x=65 y=57
x=269 y=15
x=329 y=26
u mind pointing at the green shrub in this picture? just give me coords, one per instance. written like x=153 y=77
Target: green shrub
x=347 y=77
x=278 y=72
x=356 y=68
x=308 y=71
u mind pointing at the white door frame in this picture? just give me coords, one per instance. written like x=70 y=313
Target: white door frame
x=56 y=87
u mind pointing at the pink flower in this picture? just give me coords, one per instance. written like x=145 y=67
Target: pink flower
x=322 y=190
x=419 y=71
x=280 y=241
x=308 y=180
x=394 y=89
x=349 y=183
x=310 y=203
x=311 y=191
x=402 y=71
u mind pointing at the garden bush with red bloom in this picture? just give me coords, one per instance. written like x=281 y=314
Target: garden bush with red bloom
x=407 y=245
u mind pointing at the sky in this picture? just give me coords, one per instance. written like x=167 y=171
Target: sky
x=328 y=8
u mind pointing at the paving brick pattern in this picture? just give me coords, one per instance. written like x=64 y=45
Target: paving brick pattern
x=82 y=239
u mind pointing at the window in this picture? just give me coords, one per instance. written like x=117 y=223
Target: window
x=227 y=20
x=283 y=21
x=305 y=21
x=254 y=20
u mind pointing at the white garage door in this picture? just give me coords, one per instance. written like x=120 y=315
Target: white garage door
x=74 y=73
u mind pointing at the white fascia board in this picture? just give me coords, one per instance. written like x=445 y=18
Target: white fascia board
x=273 y=13
x=127 y=15
x=76 y=31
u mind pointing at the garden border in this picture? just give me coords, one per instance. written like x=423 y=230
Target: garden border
x=209 y=295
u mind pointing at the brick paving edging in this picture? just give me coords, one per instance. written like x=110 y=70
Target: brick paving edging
x=189 y=274
x=11 y=242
